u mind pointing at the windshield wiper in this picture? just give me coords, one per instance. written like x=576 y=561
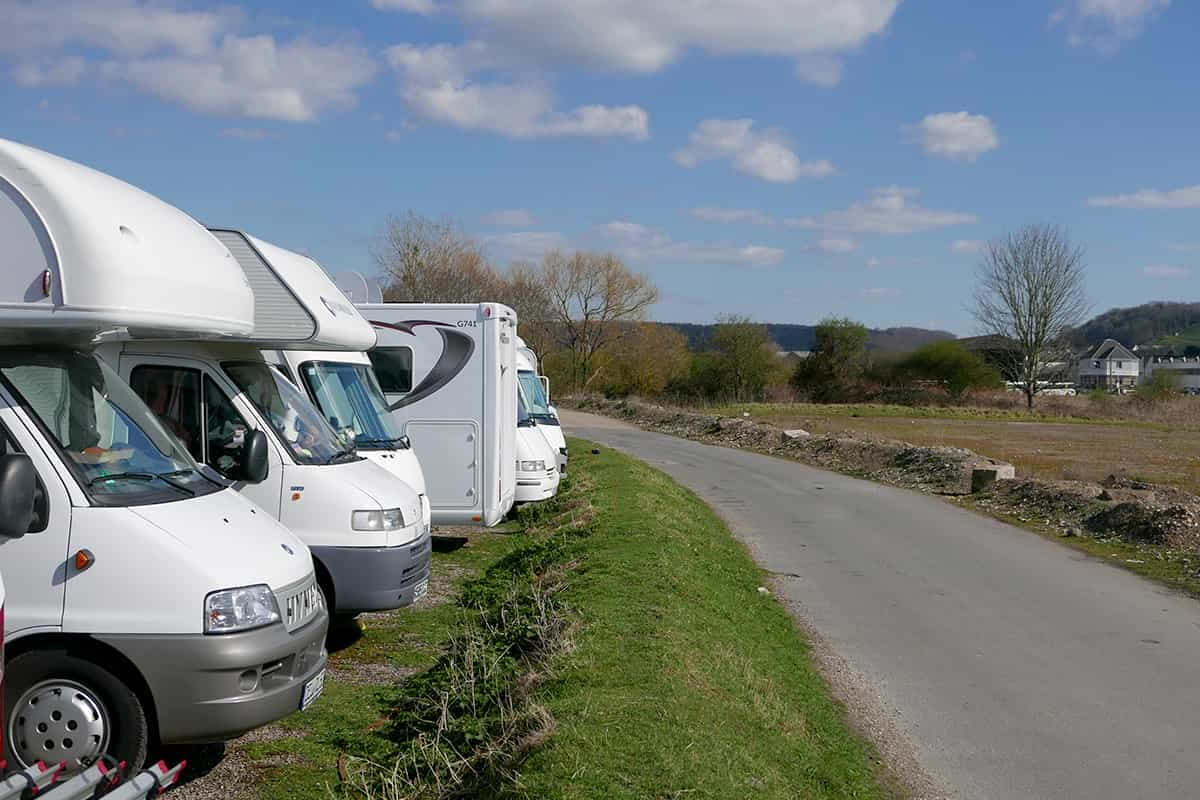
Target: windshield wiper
x=345 y=453
x=124 y=476
x=168 y=478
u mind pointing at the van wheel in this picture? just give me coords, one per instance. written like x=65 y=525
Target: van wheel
x=60 y=707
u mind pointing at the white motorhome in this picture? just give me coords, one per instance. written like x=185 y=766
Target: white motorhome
x=342 y=385
x=448 y=373
x=537 y=468
x=148 y=601
x=368 y=531
x=540 y=410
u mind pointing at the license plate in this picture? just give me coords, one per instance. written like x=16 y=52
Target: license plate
x=421 y=590
x=312 y=690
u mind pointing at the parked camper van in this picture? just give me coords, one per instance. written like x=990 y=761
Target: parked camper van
x=537 y=467
x=343 y=387
x=148 y=600
x=539 y=407
x=448 y=373
x=368 y=531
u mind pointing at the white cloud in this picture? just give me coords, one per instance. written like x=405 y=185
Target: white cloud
x=1187 y=197
x=123 y=27
x=642 y=37
x=731 y=215
x=821 y=70
x=254 y=76
x=64 y=71
x=837 y=245
x=510 y=218
x=878 y=292
x=765 y=155
x=525 y=245
x=423 y=7
x=967 y=246
x=250 y=134
x=1105 y=24
x=954 y=135
x=437 y=85
x=641 y=244
x=197 y=59
x=1165 y=271
x=889 y=210
x=874 y=262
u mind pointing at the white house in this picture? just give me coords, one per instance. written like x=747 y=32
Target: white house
x=1110 y=366
x=1186 y=370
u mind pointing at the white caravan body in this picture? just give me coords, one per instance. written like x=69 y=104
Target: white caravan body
x=369 y=532
x=538 y=406
x=537 y=469
x=448 y=372
x=343 y=387
x=143 y=580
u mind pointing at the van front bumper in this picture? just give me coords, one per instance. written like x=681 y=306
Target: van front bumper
x=208 y=688
x=376 y=578
x=533 y=487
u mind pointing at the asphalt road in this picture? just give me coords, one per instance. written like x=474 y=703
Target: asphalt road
x=1012 y=666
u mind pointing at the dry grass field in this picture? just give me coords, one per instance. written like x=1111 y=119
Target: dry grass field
x=1141 y=443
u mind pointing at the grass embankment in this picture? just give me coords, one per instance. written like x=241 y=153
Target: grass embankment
x=770 y=411
x=636 y=658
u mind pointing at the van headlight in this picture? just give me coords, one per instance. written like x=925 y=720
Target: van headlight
x=531 y=466
x=233 y=610
x=389 y=519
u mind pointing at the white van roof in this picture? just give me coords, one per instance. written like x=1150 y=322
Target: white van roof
x=481 y=310
x=297 y=306
x=86 y=253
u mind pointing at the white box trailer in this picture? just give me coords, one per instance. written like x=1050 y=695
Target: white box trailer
x=147 y=599
x=448 y=372
x=368 y=530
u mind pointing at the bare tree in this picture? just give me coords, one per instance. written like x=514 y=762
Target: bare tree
x=427 y=261
x=523 y=288
x=1030 y=293
x=592 y=295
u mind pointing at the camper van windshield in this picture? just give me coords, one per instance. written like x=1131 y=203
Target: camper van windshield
x=539 y=409
x=298 y=424
x=116 y=447
x=524 y=420
x=351 y=400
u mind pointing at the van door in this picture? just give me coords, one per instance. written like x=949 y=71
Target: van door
x=449 y=451
x=35 y=565
x=193 y=403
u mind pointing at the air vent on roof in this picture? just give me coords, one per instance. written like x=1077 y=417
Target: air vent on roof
x=278 y=315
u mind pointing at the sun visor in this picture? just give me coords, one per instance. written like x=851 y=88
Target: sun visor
x=86 y=252
x=296 y=304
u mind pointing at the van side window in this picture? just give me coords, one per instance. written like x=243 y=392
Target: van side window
x=393 y=367
x=226 y=429
x=173 y=394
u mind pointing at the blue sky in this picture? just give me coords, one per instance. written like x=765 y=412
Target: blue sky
x=782 y=159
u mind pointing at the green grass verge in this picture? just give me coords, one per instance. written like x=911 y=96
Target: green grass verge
x=685 y=681
x=682 y=679
x=968 y=413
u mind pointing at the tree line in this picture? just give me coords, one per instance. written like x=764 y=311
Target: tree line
x=585 y=314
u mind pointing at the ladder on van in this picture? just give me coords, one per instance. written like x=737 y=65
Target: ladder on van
x=104 y=779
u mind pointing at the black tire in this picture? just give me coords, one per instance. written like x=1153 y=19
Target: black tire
x=97 y=696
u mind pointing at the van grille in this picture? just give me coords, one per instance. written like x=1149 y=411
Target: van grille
x=299 y=603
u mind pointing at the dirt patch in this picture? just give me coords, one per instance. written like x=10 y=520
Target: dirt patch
x=1117 y=506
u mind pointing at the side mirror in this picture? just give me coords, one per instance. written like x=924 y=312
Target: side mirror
x=406 y=442
x=553 y=411
x=256 y=464
x=545 y=386
x=18 y=484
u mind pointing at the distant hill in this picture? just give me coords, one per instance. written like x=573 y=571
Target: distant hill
x=800 y=337
x=1162 y=324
